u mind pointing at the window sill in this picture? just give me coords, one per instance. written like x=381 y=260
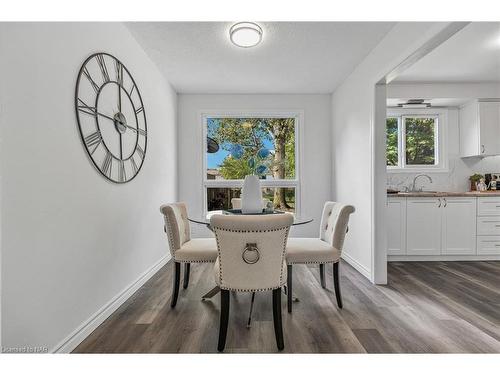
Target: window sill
x=418 y=170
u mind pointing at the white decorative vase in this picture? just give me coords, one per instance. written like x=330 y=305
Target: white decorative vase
x=251 y=196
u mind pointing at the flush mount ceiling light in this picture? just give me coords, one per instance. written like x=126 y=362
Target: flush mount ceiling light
x=415 y=103
x=245 y=34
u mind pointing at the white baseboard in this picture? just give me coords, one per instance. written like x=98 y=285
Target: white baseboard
x=357 y=266
x=440 y=258
x=87 y=327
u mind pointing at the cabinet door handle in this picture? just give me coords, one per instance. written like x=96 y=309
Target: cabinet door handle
x=439 y=202
x=445 y=202
x=482 y=149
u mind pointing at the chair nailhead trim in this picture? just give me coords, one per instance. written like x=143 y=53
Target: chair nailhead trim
x=170 y=235
x=330 y=261
x=215 y=229
x=252 y=290
x=194 y=261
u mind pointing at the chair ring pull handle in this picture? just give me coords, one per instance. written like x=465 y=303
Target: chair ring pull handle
x=251 y=253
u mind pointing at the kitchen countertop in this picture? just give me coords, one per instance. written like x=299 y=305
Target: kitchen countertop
x=447 y=194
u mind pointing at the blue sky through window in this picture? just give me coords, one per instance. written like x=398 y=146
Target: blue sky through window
x=214 y=160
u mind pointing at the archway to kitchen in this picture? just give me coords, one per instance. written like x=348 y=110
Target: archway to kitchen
x=435 y=73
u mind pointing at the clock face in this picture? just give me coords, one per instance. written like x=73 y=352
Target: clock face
x=111 y=117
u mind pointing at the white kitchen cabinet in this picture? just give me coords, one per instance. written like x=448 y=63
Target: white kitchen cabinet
x=480 y=128
x=458 y=223
x=488 y=206
x=423 y=226
x=488 y=226
x=488 y=245
x=396 y=226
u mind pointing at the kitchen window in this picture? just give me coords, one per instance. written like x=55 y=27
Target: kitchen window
x=239 y=144
x=415 y=141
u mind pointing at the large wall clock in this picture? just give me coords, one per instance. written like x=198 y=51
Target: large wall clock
x=111 y=117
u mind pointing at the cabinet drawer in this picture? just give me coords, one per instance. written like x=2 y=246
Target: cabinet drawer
x=488 y=206
x=489 y=226
x=488 y=245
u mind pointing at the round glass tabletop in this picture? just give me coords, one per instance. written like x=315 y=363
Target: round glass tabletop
x=205 y=220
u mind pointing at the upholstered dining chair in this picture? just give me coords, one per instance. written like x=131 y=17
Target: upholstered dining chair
x=236 y=203
x=251 y=259
x=327 y=248
x=183 y=248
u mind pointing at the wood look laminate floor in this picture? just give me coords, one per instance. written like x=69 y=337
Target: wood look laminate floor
x=427 y=307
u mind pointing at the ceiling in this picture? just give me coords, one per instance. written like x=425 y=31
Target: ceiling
x=471 y=55
x=294 y=57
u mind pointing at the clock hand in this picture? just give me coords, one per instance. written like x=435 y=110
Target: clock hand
x=119 y=99
x=132 y=128
x=121 y=146
x=105 y=116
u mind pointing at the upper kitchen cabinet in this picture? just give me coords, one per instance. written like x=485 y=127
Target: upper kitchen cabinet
x=480 y=128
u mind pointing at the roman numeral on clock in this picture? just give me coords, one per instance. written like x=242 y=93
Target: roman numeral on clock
x=122 y=175
x=139 y=110
x=94 y=85
x=134 y=165
x=102 y=66
x=93 y=140
x=107 y=164
x=140 y=151
x=85 y=108
x=119 y=72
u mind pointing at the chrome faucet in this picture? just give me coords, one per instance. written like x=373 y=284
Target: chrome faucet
x=413 y=186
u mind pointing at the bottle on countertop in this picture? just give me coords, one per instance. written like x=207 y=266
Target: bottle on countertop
x=481 y=185
x=493 y=183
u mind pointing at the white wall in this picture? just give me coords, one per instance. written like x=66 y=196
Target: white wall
x=357 y=177
x=315 y=158
x=71 y=241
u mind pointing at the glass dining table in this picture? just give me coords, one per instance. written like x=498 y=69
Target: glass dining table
x=205 y=220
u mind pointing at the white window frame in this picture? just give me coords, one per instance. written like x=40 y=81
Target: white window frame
x=298 y=115
x=440 y=139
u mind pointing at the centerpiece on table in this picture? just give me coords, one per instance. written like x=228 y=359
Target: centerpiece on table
x=251 y=195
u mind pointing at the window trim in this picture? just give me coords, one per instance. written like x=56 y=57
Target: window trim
x=440 y=140
x=299 y=127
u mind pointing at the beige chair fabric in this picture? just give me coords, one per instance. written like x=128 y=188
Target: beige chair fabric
x=234 y=234
x=328 y=247
x=236 y=203
x=182 y=247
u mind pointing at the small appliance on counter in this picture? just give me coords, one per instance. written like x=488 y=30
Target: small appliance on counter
x=491 y=182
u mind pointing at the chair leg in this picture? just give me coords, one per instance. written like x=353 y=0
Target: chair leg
x=187 y=267
x=278 y=327
x=322 y=275
x=224 y=319
x=177 y=279
x=289 y=294
x=336 y=284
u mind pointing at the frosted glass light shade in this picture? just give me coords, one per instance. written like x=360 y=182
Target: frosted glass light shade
x=245 y=34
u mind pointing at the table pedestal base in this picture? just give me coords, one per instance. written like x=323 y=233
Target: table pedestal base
x=214 y=291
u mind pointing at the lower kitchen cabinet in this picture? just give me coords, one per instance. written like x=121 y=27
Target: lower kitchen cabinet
x=433 y=226
x=423 y=226
x=458 y=226
x=396 y=226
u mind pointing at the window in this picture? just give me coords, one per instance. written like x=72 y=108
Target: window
x=414 y=141
x=238 y=145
